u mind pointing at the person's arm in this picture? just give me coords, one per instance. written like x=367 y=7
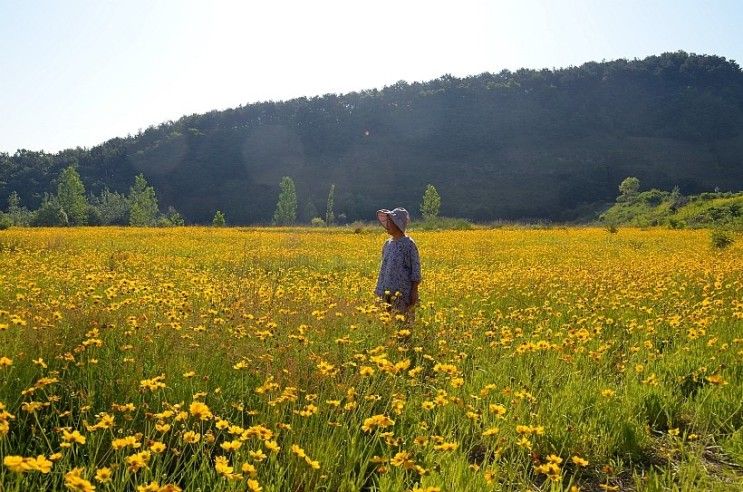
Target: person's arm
x=415 y=274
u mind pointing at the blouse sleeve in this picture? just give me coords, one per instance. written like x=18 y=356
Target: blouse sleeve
x=415 y=263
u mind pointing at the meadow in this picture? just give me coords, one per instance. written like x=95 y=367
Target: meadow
x=206 y=359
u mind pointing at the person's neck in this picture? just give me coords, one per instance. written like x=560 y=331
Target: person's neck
x=397 y=235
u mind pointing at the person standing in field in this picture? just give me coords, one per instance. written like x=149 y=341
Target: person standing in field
x=400 y=271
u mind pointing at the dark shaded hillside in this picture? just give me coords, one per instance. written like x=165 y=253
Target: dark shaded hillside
x=525 y=144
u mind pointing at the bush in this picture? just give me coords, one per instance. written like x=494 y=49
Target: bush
x=94 y=216
x=5 y=222
x=721 y=239
x=675 y=223
x=653 y=197
x=612 y=228
x=50 y=214
x=317 y=222
x=219 y=219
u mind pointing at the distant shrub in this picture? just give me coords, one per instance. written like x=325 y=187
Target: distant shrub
x=317 y=222
x=358 y=226
x=721 y=238
x=612 y=228
x=675 y=223
x=5 y=222
x=653 y=197
x=50 y=214
x=219 y=219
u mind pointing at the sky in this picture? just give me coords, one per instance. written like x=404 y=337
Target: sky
x=78 y=72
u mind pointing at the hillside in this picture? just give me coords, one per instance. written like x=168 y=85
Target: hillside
x=656 y=207
x=550 y=144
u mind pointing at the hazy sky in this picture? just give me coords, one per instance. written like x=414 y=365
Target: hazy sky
x=76 y=73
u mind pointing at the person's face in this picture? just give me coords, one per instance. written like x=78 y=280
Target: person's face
x=388 y=224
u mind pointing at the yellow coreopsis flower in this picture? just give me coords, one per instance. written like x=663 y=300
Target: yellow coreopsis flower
x=103 y=475
x=200 y=411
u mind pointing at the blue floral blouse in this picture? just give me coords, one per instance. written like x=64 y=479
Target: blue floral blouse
x=400 y=266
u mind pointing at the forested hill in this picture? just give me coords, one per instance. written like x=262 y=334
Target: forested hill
x=550 y=144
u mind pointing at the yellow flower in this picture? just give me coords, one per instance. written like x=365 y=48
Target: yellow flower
x=230 y=446
x=249 y=469
x=200 y=411
x=254 y=486
x=16 y=464
x=103 y=475
x=157 y=447
x=74 y=481
x=581 y=462
x=446 y=446
x=490 y=432
x=73 y=437
x=377 y=421
x=272 y=446
x=191 y=437
x=138 y=461
x=257 y=455
x=123 y=442
x=497 y=409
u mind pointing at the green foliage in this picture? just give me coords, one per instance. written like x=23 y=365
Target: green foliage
x=71 y=196
x=219 y=219
x=431 y=203
x=50 y=213
x=286 y=208
x=310 y=211
x=317 y=222
x=721 y=238
x=5 y=221
x=114 y=208
x=94 y=216
x=18 y=214
x=656 y=207
x=629 y=187
x=143 y=203
x=171 y=218
x=329 y=215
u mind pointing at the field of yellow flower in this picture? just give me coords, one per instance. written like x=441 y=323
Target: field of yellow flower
x=257 y=359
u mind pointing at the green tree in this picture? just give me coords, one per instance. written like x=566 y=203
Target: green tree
x=219 y=219
x=142 y=203
x=18 y=214
x=171 y=218
x=329 y=215
x=286 y=208
x=629 y=187
x=71 y=196
x=50 y=213
x=431 y=203
x=5 y=221
x=113 y=207
x=310 y=211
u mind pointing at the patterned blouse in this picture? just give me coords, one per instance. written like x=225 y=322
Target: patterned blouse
x=400 y=266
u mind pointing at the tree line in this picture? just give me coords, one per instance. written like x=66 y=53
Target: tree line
x=543 y=144
x=71 y=206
